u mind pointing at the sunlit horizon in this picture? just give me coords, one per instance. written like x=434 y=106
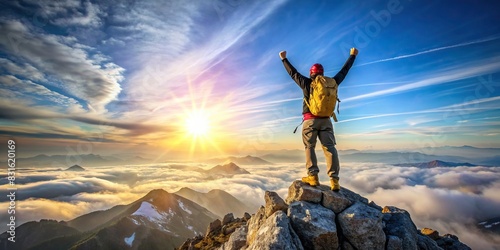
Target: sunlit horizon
x=202 y=82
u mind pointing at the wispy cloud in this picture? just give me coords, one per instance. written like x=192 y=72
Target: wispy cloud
x=27 y=114
x=70 y=63
x=82 y=13
x=14 y=89
x=433 y=50
x=197 y=63
x=454 y=109
x=458 y=72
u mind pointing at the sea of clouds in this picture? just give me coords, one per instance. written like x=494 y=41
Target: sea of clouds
x=450 y=200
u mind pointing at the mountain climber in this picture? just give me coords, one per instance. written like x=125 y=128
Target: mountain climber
x=319 y=126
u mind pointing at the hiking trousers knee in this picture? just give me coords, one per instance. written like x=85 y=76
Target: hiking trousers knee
x=321 y=128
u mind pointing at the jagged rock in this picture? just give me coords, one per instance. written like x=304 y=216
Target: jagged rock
x=451 y=242
x=227 y=229
x=276 y=233
x=219 y=236
x=394 y=243
x=314 y=224
x=362 y=226
x=274 y=203
x=426 y=243
x=246 y=216
x=347 y=246
x=398 y=223
x=300 y=191
x=214 y=225
x=228 y=218
x=190 y=243
x=254 y=224
x=374 y=205
x=335 y=201
x=237 y=240
x=321 y=219
x=433 y=234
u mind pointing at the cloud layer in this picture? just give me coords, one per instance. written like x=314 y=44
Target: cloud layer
x=450 y=200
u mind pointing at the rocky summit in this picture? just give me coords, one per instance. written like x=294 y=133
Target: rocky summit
x=318 y=218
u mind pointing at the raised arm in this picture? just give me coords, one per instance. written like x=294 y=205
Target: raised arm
x=339 y=77
x=296 y=76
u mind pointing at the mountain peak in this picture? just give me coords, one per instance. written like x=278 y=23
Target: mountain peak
x=185 y=189
x=437 y=163
x=313 y=217
x=75 y=168
x=230 y=168
x=155 y=193
x=217 y=191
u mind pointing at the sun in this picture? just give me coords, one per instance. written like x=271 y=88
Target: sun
x=198 y=124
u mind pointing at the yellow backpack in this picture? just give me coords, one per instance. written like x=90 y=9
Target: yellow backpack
x=323 y=97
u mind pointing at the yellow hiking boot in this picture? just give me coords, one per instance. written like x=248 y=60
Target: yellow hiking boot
x=335 y=186
x=312 y=180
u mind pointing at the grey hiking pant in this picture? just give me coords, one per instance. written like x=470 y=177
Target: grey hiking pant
x=321 y=128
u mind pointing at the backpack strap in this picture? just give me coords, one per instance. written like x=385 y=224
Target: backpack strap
x=334 y=117
x=307 y=102
x=338 y=106
x=295 y=130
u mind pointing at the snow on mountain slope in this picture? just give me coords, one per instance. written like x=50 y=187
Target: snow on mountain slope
x=130 y=240
x=149 y=211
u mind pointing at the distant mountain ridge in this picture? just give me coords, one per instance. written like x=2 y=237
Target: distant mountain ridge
x=435 y=164
x=246 y=160
x=473 y=155
x=62 y=161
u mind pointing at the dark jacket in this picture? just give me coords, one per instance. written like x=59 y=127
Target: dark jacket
x=305 y=82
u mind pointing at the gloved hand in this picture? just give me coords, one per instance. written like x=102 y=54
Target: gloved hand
x=282 y=54
x=354 y=52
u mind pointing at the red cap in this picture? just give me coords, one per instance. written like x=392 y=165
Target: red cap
x=316 y=69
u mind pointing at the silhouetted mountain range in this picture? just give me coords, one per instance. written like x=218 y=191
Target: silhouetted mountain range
x=477 y=156
x=228 y=169
x=62 y=161
x=246 y=160
x=435 y=164
x=488 y=156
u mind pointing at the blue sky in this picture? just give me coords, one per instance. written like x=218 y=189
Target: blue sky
x=113 y=77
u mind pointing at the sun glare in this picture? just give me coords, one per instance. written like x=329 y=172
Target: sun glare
x=198 y=124
x=199 y=129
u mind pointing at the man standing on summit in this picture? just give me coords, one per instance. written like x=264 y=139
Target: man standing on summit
x=320 y=96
